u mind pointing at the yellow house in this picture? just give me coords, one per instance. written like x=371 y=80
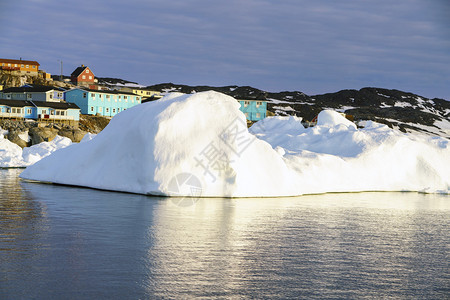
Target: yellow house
x=143 y=92
x=23 y=66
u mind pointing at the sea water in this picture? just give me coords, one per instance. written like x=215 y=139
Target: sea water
x=68 y=242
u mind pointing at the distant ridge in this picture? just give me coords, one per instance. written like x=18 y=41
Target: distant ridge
x=405 y=111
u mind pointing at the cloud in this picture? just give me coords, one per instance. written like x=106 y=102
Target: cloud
x=313 y=46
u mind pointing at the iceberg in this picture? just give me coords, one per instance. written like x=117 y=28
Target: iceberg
x=12 y=156
x=199 y=145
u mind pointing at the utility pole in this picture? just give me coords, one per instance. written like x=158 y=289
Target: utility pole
x=61 y=76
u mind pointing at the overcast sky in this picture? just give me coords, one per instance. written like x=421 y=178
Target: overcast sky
x=313 y=46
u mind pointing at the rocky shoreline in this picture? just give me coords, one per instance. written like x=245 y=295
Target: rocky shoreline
x=29 y=133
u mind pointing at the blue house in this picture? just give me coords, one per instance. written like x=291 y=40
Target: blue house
x=33 y=92
x=101 y=102
x=17 y=109
x=254 y=110
x=58 y=112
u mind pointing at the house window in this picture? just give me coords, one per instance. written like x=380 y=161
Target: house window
x=34 y=67
x=29 y=96
x=107 y=97
x=28 y=66
x=84 y=95
x=114 y=110
x=258 y=103
x=100 y=109
x=84 y=76
x=22 y=66
x=246 y=103
x=90 y=77
x=246 y=115
x=87 y=70
x=120 y=98
x=44 y=111
x=100 y=95
x=118 y=110
x=258 y=115
x=60 y=95
x=28 y=111
x=51 y=96
x=92 y=109
x=8 y=109
x=92 y=95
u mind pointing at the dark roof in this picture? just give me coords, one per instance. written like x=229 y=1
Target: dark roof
x=35 y=89
x=16 y=103
x=19 y=61
x=56 y=105
x=78 y=71
x=115 y=92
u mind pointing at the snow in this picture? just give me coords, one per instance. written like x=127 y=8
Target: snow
x=12 y=156
x=402 y=104
x=199 y=145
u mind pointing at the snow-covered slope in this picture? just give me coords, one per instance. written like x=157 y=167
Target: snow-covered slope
x=191 y=145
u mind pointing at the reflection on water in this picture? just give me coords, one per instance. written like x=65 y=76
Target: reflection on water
x=62 y=241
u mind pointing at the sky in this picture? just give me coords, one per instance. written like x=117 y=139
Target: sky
x=312 y=46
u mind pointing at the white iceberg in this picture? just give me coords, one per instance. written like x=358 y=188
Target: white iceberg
x=199 y=145
x=12 y=156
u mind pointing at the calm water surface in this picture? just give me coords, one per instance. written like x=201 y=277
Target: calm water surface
x=65 y=242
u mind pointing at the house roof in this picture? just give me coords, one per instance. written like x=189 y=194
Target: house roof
x=56 y=105
x=78 y=71
x=15 y=103
x=115 y=92
x=19 y=61
x=29 y=89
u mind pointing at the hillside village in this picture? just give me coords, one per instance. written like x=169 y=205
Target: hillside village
x=64 y=100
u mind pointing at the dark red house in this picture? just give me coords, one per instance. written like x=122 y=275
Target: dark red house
x=83 y=76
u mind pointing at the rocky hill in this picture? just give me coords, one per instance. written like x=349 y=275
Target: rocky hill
x=402 y=110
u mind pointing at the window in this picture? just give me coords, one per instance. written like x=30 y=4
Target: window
x=92 y=109
x=118 y=110
x=22 y=66
x=16 y=110
x=120 y=99
x=28 y=66
x=108 y=97
x=246 y=115
x=44 y=111
x=92 y=95
x=258 y=103
x=258 y=115
x=34 y=67
x=87 y=70
x=90 y=77
x=107 y=110
x=100 y=109
x=28 y=111
x=84 y=76
x=51 y=96
x=29 y=96
x=8 y=109
x=114 y=110
x=115 y=98
x=60 y=95
x=246 y=103
x=84 y=95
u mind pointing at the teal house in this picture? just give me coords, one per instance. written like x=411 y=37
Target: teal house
x=40 y=110
x=101 y=102
x=254 y=110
